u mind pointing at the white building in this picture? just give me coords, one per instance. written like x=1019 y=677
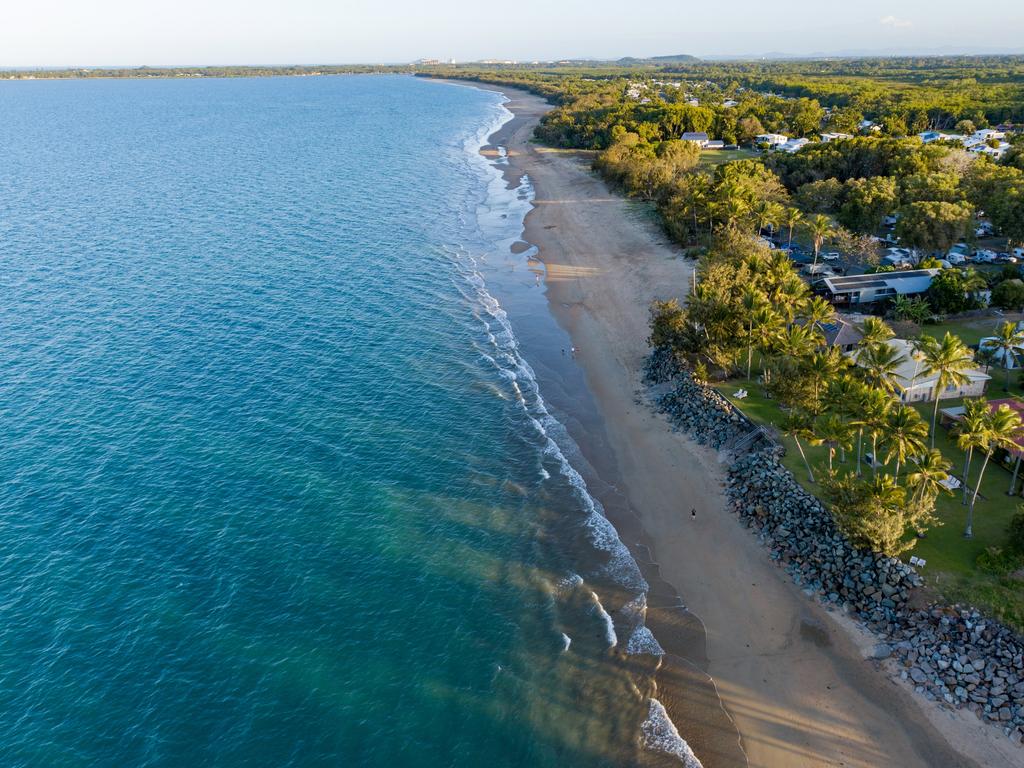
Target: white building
x=793 y=145
x=771 y=139
x=868 y=289
x=914 y=385
x=827 y=137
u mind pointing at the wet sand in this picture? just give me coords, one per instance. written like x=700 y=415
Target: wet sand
x=758 y=673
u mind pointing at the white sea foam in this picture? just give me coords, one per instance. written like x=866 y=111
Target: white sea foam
x=660 y=735
x=566 y=642
x=643 y=641
x=500 y=218
x=568 y=583
x=609 y=625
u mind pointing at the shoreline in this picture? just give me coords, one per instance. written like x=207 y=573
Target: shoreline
x=818 y=701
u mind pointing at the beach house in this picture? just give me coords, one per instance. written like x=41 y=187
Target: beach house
x=771 y=139
x=914 y=385
x=697 y=137
x=855 y=290
x=839 y=333
x=793 y=145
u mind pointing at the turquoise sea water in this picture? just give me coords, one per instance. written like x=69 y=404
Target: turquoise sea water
x=278 y=486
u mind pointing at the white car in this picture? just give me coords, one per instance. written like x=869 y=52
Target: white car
x=830 y=256
x=955 y=259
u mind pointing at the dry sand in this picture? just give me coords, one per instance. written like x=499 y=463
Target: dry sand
x=791 y=675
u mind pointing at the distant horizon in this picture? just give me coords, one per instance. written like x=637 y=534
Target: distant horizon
x=498 y=59
x=66 y=33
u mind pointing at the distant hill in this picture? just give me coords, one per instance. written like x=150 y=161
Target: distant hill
x=676 y=59
x=682 y=58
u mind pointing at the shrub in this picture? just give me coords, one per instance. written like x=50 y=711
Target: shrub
x=999 y=561
x=1016 y=531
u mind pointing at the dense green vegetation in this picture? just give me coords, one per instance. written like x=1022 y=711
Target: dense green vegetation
x=752 y=322
x=836 y=192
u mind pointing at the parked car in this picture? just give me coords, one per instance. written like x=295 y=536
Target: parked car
x=831 y=256
x=819 y=270
x=955 y=259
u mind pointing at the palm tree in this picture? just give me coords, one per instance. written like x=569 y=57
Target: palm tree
x=946 y=360
x=842 y=398
x=767 y=213
x=765 y=325
x=834 y=432
x=970 y=434
x=790 y=219
x=822 y=367
x=874 y=416
x=900 y=308
x=1001 y=430
x=987 y=357
x=816 y=312
x=860 y=405
x=905 y=433
x=1007 y=343
x=919 y=347
x=925 y=482
x=881 y=364
x=751 y=301
x=820 y=228
x=797 y=342
x=796 y=424
x=873 y=331
x=930 y=470
x=788 y=295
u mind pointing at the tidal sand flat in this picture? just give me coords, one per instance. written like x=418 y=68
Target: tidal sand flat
x=794 y=683
x=280 y=485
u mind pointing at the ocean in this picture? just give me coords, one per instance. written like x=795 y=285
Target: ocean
x=279 y=484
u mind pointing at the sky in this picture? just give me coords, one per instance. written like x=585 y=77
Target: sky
x=183 y=32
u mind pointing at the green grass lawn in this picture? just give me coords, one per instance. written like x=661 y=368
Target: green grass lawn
x=710 y=158
x=951 y=567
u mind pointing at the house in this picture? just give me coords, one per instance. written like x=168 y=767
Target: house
x=771 y=139
x=929 y=136
x=914 y=385
x=999 y=357
x=729 y=103
x=840 y=333
x=988 y=133
x=868 y=126
x=700 y=139
x=996 y=153
x=827 y=137
x=869 y=289
x=793 y=145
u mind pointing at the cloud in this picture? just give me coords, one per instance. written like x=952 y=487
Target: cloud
x=892 y=21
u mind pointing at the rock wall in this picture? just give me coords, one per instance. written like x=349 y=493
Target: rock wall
x=951 y=654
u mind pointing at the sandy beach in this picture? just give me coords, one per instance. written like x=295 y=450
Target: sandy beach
x=763 y=675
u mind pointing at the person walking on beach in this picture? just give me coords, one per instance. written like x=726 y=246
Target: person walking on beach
x=693 y=513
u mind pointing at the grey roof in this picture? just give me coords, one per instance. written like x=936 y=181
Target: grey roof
x=910 y=281
x=840 y=333
x=690 y=136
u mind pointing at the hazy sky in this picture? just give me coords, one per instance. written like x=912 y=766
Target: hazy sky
x=161 y=32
